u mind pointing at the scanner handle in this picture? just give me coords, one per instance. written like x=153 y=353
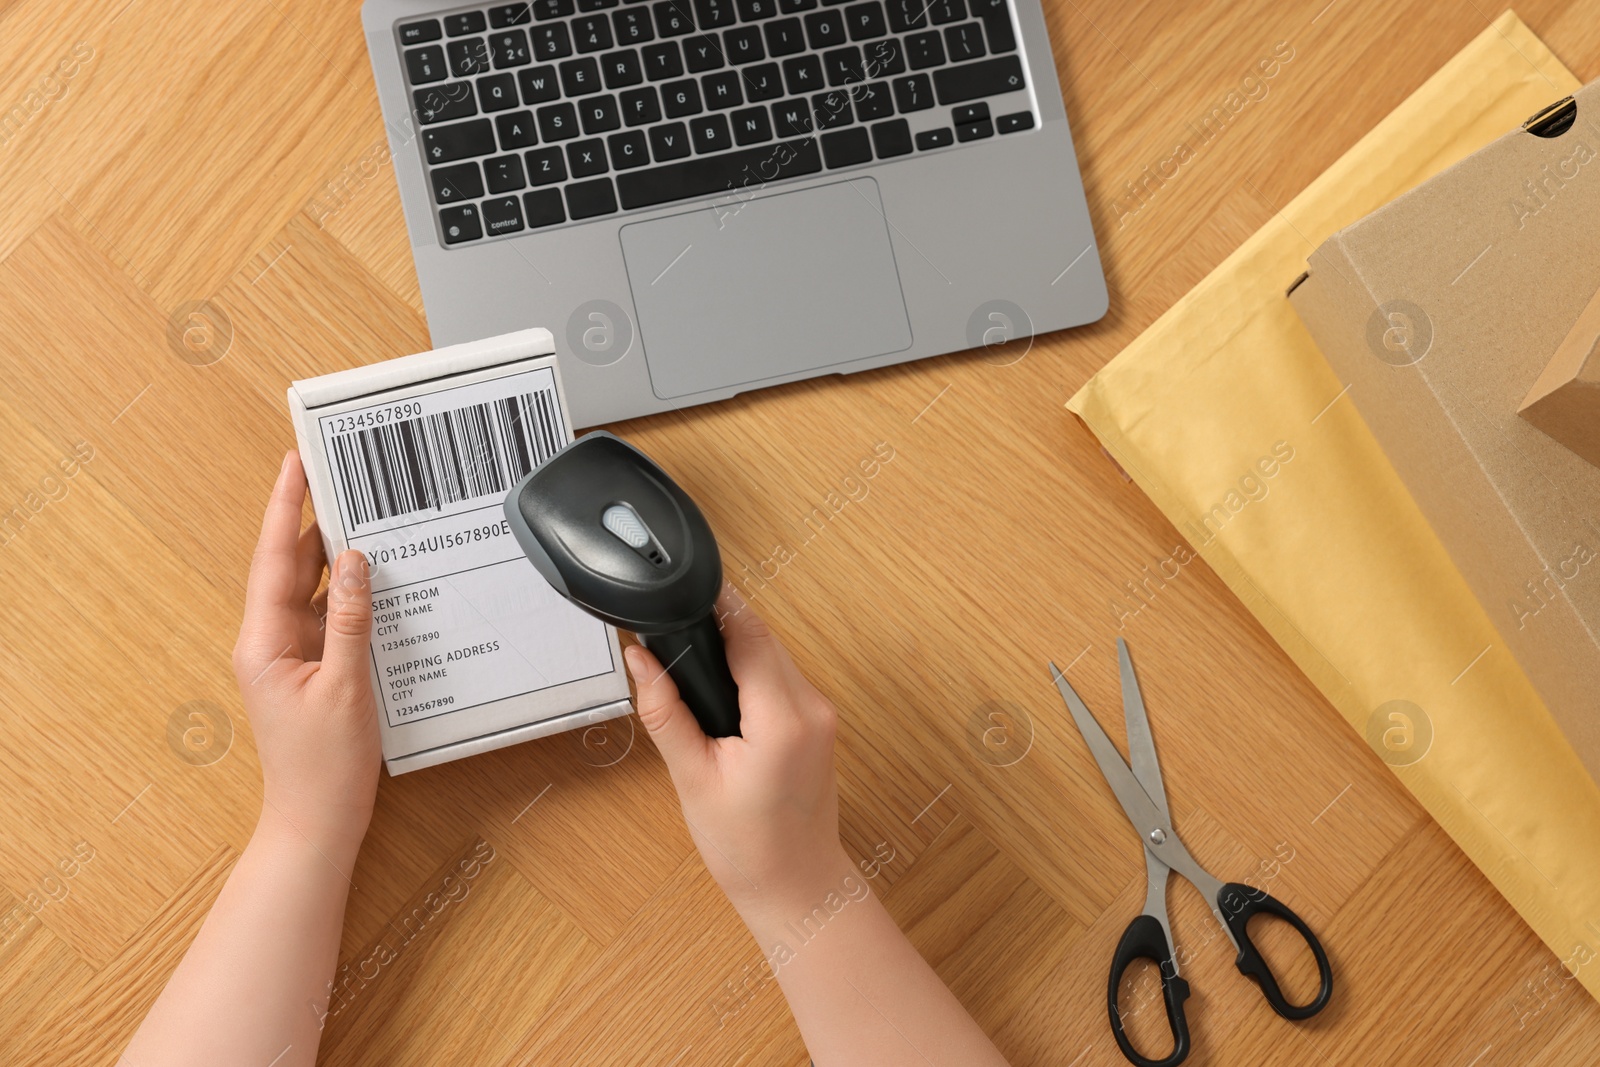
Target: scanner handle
x=698 y=663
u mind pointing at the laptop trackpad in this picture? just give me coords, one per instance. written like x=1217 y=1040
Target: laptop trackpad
x=754 y=289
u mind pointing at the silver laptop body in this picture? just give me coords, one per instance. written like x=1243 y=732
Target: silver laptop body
x=639 y=178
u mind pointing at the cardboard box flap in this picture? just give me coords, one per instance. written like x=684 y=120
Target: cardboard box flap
x=1565 y=400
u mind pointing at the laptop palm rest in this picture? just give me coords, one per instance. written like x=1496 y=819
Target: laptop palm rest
x=758 y=288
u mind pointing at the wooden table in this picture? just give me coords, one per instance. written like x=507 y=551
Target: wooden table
x=233 y=153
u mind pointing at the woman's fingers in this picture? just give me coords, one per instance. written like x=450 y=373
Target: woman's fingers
x=268 y=630
x=346 y=663
x=309 y=562
x=666 y=717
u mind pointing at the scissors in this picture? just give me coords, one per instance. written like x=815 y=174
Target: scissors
x=1148 y=936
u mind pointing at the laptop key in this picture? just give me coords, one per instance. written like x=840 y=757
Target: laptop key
x=498 y=92
x=913 y=93
x=756 y=10
x=865 y=21
x=672 y=19
x=460 y=224
x=588 y=199
x=592 y=33
x=963 y=42
x=743 y=45
x=1001 y=37
x=516 y=130
x=662 y=61
x=419 y=32
x=680 y=98
x=966 y=113
x=551 y=9
x=843 y=65
x=942 y=12
x=701 y=53
x=510 y=49
x=720 y=174
x=425 y=65
x=640 y=107
x=791 y=117
x=444 y=103
x=784 y=37
x=622 y=69
x=469 y=57
x=935 y=138
x=825 y=29
x=751 y=126
x=763 y=82
x=580 y=76
x=543 y=207
x=714 y=14
x=599 y=114
x=446 y=144
x=1017 y=120
x=907 y=15
x=832 y=109
x=632 y=26
x=883 y=59
x=452 y=185
x=794 y=7
x=925 y=50
x=585 y=158
x=846 y=148
x=628 y=149
x=503 y=215
x=597 y=5
x=669 y=142
x=510 y=15
x=973 y=131
x=539 y=85
x=891 y=138
x=969 y=81
x=465 y=23
x=557 y=122
x=710 y=133
x=552 y=41
x=721 y=90
x=872 y=102
x=545 y=166
x=803 y=74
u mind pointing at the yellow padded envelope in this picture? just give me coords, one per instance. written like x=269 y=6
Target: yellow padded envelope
x=1336 y=560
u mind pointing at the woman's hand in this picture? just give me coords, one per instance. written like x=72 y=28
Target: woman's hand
x=304 y=674
x=762 y=808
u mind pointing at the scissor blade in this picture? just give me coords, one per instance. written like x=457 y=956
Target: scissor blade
x=1141 y=746
x=1142 y=812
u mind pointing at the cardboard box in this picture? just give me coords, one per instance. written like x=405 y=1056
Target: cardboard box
x=410 y=461
x=1441 y=310
x=1565 y=400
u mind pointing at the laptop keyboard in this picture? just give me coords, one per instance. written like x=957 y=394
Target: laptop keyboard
x=532 y=115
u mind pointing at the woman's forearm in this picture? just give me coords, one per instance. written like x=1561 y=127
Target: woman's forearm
x=253 y=987
x=860 y=992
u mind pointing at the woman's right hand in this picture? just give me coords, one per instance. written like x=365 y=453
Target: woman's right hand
x=762 y=808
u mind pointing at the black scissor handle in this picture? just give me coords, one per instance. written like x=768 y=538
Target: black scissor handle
x=1237 y=903
x=1144 y=939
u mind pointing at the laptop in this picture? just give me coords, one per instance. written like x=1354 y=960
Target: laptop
x=703 y=197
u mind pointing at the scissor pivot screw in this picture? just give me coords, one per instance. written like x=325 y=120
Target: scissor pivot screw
x=1157 y=836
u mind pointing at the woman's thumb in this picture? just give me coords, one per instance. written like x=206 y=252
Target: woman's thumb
x=349 y=621
x=666 y=717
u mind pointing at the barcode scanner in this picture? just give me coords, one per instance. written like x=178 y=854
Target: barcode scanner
x=617 y=537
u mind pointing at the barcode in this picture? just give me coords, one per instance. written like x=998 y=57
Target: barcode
x=424 y=463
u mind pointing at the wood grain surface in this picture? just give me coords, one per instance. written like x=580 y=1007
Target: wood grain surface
x=234 y=153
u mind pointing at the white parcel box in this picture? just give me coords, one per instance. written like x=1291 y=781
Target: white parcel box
x=410 y=461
